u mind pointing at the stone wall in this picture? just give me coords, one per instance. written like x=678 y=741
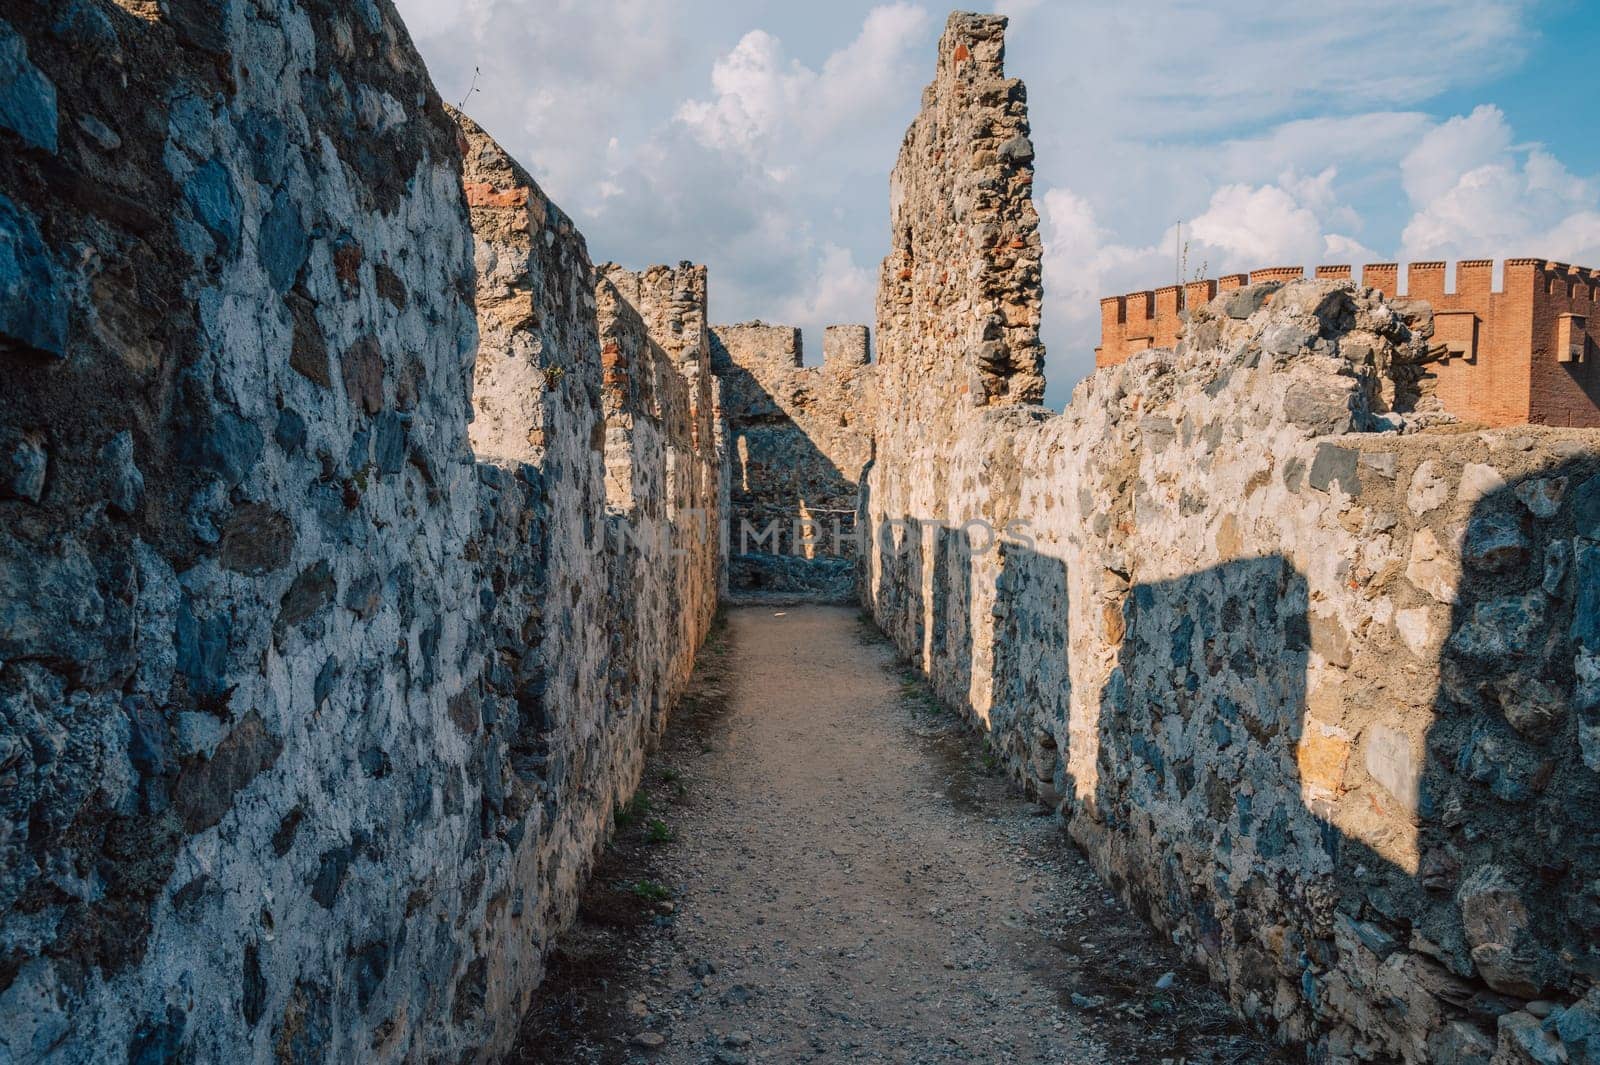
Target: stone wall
x=798 y=439
x=1528 y=353
x=664 y=479
x=308 y=727
x=959 y=292
x=1312 y=680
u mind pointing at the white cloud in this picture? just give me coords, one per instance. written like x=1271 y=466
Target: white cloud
x=1081 y=259
x=836 y=293
x=1347 y=251
x=676 y=129
x=721 y=179
x=1452 y=148
x=767 y=104
x=1476 y=193
x=554 y=80
x=1243 y=227
x=1265 y=225
x=753 y=84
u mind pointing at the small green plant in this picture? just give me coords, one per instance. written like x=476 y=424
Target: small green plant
x=633 y=810
x=658 y=831
x=553 y=375
x=650 y=890
x=922 y=701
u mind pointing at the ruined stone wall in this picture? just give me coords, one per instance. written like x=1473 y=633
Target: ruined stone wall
x=1312 y=680
x=798 y=439
x=1322 y=705
x=959 y=293
x=305 y=705
x=663 y=469
x=555 y=762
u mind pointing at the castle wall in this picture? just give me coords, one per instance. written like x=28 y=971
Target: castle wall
x=1487 y=375
x=1314 y=686
x=959 y=292
x=307 y=722
x=553 y=768
x=798 y=439
x=664 y=481
x=1527 y=353
x=1565 y=388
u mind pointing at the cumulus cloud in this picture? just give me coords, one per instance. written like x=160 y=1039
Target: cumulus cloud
x=770 y=118
x=755 y=88
x=556 y=81
x=1478 y=194
x=768 y=104
x=835 y=293
x=1452 y=148
x=676 y=129
x=1264 y=224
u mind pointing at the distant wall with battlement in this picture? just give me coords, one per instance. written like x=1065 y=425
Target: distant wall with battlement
x=798 y=437
x=1528 y=352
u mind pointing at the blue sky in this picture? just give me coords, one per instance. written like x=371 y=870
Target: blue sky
x=758 y=137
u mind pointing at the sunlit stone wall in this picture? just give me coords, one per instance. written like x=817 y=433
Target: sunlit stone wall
x=1313 y=677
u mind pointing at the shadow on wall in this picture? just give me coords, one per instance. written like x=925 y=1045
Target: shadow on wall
x=779 y=475
x=1463 y=883
x=1022 y=669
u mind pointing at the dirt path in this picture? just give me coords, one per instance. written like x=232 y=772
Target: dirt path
x=822 y=870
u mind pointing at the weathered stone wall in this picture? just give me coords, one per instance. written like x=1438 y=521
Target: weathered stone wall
x=959 y=296
x=959 y=293
x=554 y=763
x=306 y=709
x=663 y=463
x=798 y=439
x=1314 y=684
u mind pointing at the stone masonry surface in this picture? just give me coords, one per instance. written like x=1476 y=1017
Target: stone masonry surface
x=1311 y=674
x=664 y=469
x=798 y=439
x=1526 y=353
x=311 y=710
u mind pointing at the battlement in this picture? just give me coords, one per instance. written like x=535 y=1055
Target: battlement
x=761 y=348
x=846 y=345
x=798 y=438
x=1282 y=274
x=1523 y=352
